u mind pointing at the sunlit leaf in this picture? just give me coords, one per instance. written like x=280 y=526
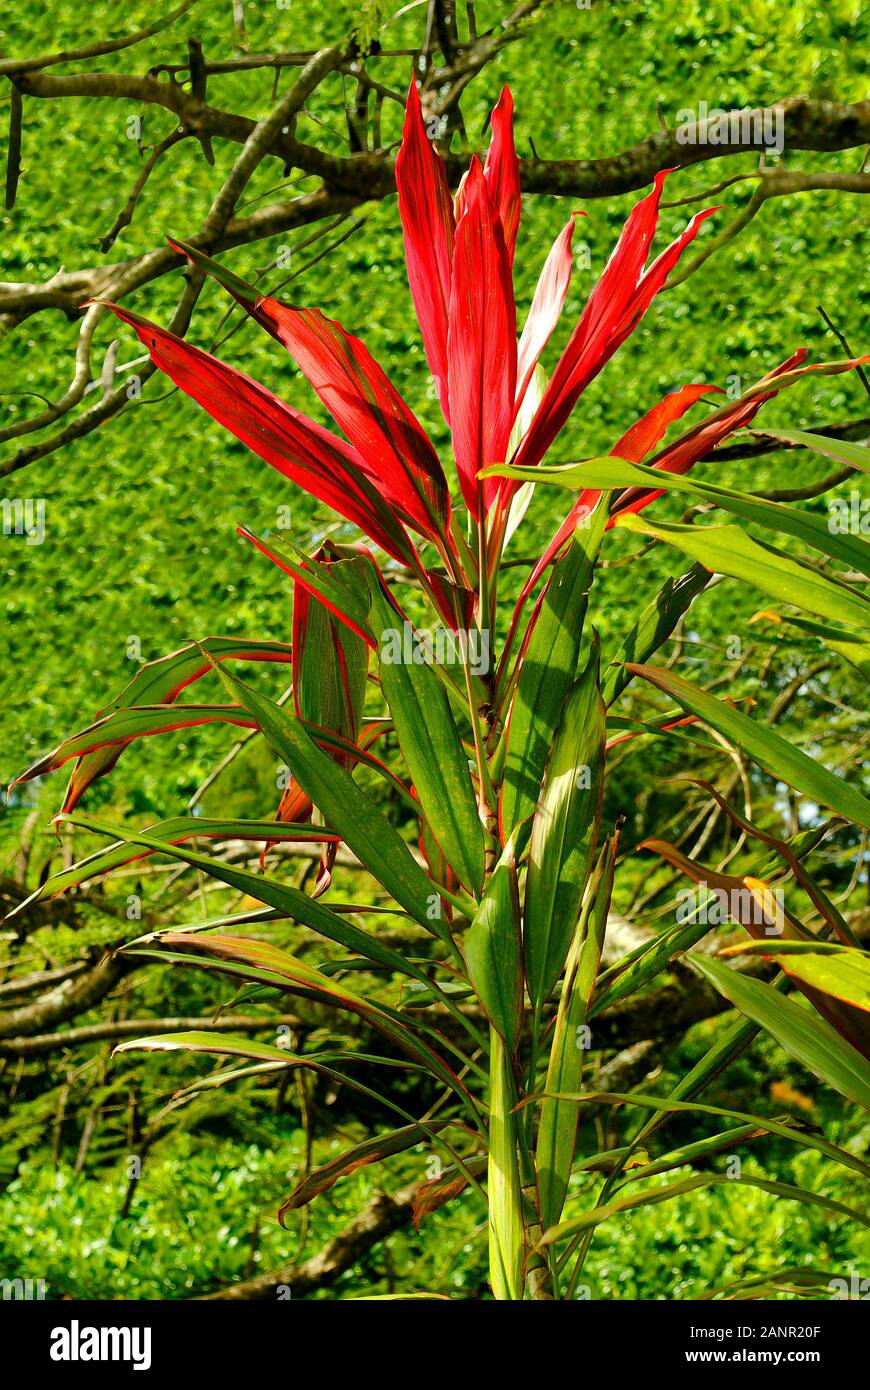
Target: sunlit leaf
x=564 y=834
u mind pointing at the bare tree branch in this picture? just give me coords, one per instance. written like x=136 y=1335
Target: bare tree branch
x=780 y=183
x=95 y=50
x=384 y=1214
x=65 y=1001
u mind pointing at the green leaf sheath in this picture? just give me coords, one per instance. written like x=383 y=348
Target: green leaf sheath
x=564 y=834
x=493 y=951
x=557 y=1131
x=432 y=749
x=548 y=669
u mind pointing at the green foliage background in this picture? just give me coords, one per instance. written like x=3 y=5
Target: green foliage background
x=141 y=542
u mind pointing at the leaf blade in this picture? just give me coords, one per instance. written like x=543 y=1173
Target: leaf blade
x=800 y=1032
x=564 y=833
x=493 y=951
x=431 y=747
x=772 y=752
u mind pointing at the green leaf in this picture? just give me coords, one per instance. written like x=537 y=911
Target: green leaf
x=649 y=961
x=268 y=1058
x=248 y=958
x=848 y=643
x=336 y=584
x=547 y=672
x=841 y=971
x=493 y=950
x=653 y=628
x=630 y=973
x=330 y=663
x=431 y=747
x=240 y=289
x=610 y=473
x=777 y=755
x=503 y=1182
x=699 y=1153
x=289 y=902
x=557 y=1132
x=796 y=1280
x=799 y=1031
x=219 y=1045
x=122 y=726
x=372 y=1150
x=345 y=806
x=729 y=550
x=653 y=1196
x=281 y=896
x=174 y=831
x=160 y=682
x=750 y=902
x=666 y=1105
x=842 y=450
x=564 y=833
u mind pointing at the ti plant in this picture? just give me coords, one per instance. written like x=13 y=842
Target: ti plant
x=460 y=758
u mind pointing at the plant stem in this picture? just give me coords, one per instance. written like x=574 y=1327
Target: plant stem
x=486 y=792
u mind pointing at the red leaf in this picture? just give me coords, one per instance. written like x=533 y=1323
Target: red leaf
x=297 y=573
x=482 y=343
x=685 y=452
x=642 y=437
x=294 y=807
x=395 y=449
x=634 y=446
x=426 y=210
x=299 y=448
x=154 y=719
x=436 y=1193
x=502 y=170
x=160 y=681
x=615 y=307
x=546 y=308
